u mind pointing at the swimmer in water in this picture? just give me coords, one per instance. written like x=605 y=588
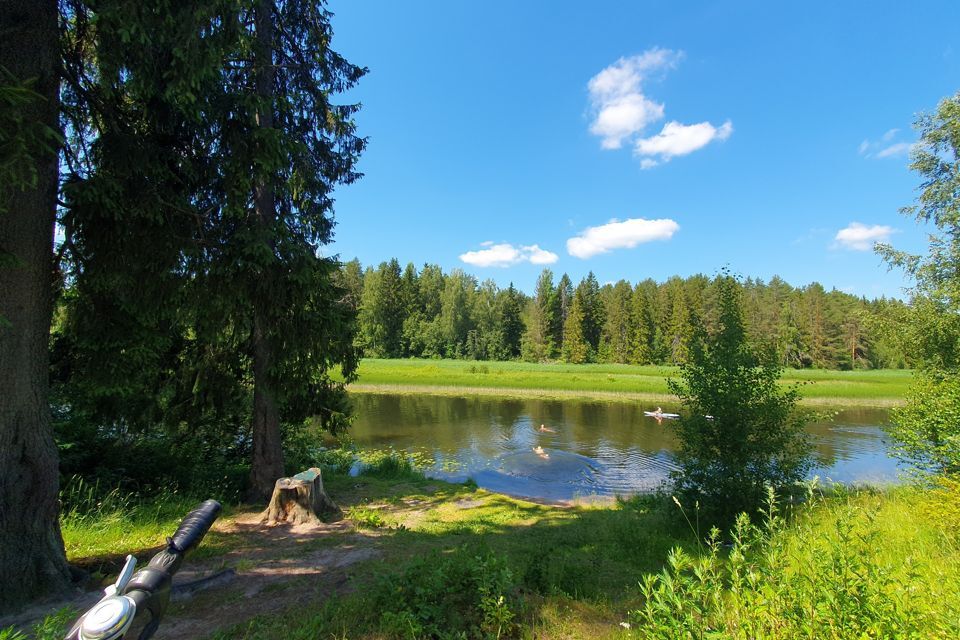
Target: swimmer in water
x=545 y=429
x=540 y=452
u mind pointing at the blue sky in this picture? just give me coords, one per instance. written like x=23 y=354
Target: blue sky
x=507 y=136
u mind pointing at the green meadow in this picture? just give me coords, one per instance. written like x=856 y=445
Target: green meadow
x=880 y=388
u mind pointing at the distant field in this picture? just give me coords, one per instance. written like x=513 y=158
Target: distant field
x=881 y=388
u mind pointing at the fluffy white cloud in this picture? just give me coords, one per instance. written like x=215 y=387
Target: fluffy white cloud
x=616 y=93
x=860 y=237
x=617 y=234
x=677 y=139
x=506 y=255
x=535 y=255
x=622 y=112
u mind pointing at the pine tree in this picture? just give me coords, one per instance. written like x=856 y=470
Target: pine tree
x=538 y=340
x=575 y=347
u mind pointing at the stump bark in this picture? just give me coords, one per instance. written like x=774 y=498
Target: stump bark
x=298 y=500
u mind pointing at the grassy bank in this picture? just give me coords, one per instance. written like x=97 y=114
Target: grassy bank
x=611 y=382
x=451 y=561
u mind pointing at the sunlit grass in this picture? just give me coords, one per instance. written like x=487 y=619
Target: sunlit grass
x=608 y=381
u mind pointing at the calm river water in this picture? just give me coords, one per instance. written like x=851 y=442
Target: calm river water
x=598 y=448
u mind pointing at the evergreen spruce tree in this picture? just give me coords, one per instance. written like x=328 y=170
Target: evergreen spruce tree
x=575 y=347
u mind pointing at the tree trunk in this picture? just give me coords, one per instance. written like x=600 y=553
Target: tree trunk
x=267 y=449
x=32 y=559
x=299 y=500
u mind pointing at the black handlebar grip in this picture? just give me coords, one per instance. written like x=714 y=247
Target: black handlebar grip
x=194 y=526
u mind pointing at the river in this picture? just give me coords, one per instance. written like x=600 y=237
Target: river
x=595 y=449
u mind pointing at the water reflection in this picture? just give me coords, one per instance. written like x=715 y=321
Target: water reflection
x=596 y=448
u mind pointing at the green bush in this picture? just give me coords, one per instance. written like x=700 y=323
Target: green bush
x=927 y=428
x=833 y=584
x=390 y=465
x=738 y=431
x=465 y=594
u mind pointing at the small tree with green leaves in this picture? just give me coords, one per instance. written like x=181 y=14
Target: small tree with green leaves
x=927 y=428
x=738 y=431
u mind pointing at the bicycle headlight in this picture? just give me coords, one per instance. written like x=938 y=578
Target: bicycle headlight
x=109 y=619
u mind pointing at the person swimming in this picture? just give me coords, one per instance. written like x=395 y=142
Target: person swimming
x=545 y=429
x=540 y=452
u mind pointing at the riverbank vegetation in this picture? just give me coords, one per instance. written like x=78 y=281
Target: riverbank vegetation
x=881 y=388
x=467 y=563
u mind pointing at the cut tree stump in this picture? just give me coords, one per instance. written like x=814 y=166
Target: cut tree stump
x=298 y=500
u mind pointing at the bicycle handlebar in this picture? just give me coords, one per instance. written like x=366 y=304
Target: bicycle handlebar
x=149 y=589
x=194 y=526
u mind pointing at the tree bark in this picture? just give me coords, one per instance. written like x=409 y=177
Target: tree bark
x=32 y=559
x=267 y=448
x=299 y=500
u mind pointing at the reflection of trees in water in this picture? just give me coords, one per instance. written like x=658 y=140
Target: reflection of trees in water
x=485 y=428
x=848 y=433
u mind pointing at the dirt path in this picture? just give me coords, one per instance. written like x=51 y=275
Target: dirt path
x=273 y=568
x=276 y=568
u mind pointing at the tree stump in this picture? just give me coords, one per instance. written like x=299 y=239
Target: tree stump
x=299 y=500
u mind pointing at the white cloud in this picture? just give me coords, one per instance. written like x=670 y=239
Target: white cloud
x=622 y=111
x=506 y=255
x=616 y=93
x=535 y=255
x=883 y=149
x=619 y=235
x=677 y=139
x=898 y=149
x=859 y=237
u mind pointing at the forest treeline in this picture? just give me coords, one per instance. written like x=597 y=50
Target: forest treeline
x=427 y=313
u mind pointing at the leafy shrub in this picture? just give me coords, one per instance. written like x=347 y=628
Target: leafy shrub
x=390 y=464
x=833 y=586
x=366 y=518
x=466 y=594
x=927 y=428
x=738 y=431
x=942 y=504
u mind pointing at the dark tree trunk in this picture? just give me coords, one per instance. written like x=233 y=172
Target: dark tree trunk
x=267 y=450
x=32 y=559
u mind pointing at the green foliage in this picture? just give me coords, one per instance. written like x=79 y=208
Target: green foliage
x=52 y=627
x=575 y=349
x=176 y=282
x=390 y=464
x=21 y=138
x=928 y=429
x=99 y=520
x=789 y=581
x=466 y=594
x=454 y=316
x=738 y=432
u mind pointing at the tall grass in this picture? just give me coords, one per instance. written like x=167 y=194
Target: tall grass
x=840 y=570
x=99 y=521
x=52 y=627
